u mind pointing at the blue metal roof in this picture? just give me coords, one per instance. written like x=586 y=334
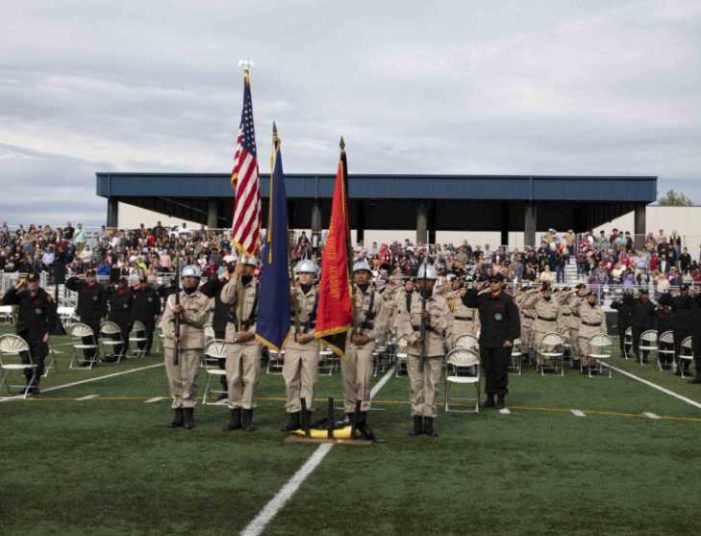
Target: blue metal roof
x=383 y=186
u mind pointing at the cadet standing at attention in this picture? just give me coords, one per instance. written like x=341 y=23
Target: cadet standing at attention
x=189 y=310
x=425 y=351
x=301 y=349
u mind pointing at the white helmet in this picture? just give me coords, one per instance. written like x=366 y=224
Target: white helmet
x=306 y=266
x=360 y=266
x=430 y=272
x=249 y=260
x=190 y=271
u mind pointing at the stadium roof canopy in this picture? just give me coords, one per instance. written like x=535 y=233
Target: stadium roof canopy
x=426 y=203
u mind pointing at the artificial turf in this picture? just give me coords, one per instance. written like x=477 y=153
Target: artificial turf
x=110 y=465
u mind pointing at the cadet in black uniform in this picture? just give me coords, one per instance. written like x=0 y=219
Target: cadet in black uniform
x=500 y=325
x=92 y=305
x=681 y=323
x=642 y=319
x=695 y=319
x=665 y=319
x=36 y=317
x=145 y=308
x=120 y=301
x=624 y=306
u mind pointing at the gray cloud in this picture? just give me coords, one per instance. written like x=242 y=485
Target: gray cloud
x=460 y=87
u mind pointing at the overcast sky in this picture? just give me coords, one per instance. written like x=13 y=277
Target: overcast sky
x=547 y=87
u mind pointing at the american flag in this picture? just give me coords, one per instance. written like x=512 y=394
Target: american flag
x=245 y=181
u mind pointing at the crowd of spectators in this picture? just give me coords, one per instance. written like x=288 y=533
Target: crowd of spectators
x=616 y=258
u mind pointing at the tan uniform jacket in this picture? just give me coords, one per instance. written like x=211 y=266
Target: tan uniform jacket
x=302 y=320
x=367 y=321
x=243 y=300
x=196 y=315
x=592 y=320
x=440 y=320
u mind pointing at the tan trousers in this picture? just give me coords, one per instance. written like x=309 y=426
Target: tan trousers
x=299 y=372
x=584 y=350
x=423 y=385
x=242 y=374
x=182 y=379
x=356 y=368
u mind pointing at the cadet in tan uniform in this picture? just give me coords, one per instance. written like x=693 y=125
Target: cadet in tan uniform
x=526 y=318
x=243 y=352
x=424 y=377
x=576 y=298
x=301 y=349
x=465 y=319
x=193 y=312
x=356 y=364
x=592 y=321
x=546 y=311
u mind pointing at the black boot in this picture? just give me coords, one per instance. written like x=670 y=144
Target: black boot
x=306 y=419
x=501 y=402
x=189 y=418
x=418 y=426
x=293 y=423
x=177 y=418
x=488 y=402
x=235 y=420
x=247 y=422
x=428 y=427
x=363 y=428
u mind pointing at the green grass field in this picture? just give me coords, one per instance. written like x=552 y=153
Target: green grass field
x=110 y=465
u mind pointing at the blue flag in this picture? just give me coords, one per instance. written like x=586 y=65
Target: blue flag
x=273 y=321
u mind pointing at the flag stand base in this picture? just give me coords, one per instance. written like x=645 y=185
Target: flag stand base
x=299 y=439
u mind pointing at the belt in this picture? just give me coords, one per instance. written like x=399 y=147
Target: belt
x=546 y=319
x=566 y=314
x=590 y=324
x=464 y=318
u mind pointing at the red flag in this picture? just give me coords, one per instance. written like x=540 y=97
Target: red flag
x=334 y=314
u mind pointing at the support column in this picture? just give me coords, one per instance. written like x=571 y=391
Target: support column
x=421 y=223
x=212 y=213
x=639 y=226
x=315 y=224
x=360 y=222
x=530 y=223
x=112 y=212
x=504 y=224
x=431 y=218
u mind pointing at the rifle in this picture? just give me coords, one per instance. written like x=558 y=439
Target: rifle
x=423 y=330
x=176 y=319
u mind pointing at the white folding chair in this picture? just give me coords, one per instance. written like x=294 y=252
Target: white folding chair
x=402 y=356
x=627 y=342
x=665 y=347
x=276 y=360
x=11 y=361
x=137 y=337
x=110 y=340
x=550 y=350
x=327 y=362
x=600 y=350
x=214 y=352
x=6 y=312
x=468 y=342
x=78 y=332
x=66 y=315
x=515 y=362
x=462 y=368
x=686 y=353
x=648 y=343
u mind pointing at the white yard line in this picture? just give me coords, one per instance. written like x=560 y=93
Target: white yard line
x=87 y=397
x=650 y=415
x=154 y=399
x=87 y=380
x=655 y=386
x=257 y=526
x=578 y=413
